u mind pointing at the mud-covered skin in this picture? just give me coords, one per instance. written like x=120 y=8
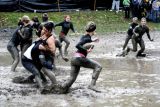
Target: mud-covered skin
x=66 y=26
x=26 y=37
x=76 y=64
x=12 y=47
x=129 y=34
x=82 y=61
x=139 y=31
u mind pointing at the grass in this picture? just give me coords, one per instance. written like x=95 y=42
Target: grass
x=106 y=21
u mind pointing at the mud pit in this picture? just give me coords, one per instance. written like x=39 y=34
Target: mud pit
x=124 y=81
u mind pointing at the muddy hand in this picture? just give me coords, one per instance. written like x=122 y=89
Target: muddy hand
x=95 y=40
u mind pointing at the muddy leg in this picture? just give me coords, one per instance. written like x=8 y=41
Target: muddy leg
x=73 y=75
x=126 y=42
x=134 y=43
x=88 y=63
x=142 y=45
x=96 y=71
x=15 y=55
x=50 y=75
x=28 y=64
x=67 y=45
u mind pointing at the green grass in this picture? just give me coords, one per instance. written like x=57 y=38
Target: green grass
x=106 y=21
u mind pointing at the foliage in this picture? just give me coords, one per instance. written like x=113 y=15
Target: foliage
x=106 y=21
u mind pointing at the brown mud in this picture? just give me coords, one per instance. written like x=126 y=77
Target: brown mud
x=124 y=81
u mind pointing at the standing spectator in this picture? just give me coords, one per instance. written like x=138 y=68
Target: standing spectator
x=116 y=4
x=126 y=4
x=155 y=11
x=144 y=8
x=135 y=7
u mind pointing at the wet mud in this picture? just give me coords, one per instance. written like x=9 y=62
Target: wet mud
x=124 y=81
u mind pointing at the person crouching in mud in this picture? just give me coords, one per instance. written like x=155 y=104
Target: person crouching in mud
x=138 y=32
x=34 y=59
x=80 y=59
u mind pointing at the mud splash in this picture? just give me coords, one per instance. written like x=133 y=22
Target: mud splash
x=124 y=81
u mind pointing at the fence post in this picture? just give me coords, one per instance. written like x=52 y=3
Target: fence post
x=95 y=1
x=58 y=6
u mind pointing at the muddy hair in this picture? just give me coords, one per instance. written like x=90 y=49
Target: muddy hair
x=90 y=27
x=49 y=26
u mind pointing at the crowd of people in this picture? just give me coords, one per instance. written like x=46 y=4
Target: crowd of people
x=150 y=9
x=38 y=56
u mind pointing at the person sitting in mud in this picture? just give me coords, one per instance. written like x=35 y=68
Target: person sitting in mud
x=25 y=34
x=80 y=59
x=36 y=56
x=66 y=26
x=129 y=34
x=138 y=32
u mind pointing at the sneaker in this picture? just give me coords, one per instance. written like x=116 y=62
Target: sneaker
x=111 y=10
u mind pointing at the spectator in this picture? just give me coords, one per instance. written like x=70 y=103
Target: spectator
x=116 y=4
x=135 y=7
x=126 y=4
x=155 y=10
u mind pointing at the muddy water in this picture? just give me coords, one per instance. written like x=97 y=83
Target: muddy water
x=124 y=81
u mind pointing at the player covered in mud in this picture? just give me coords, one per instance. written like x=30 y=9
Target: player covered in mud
x=129 y=34
x=57 y=42
x=138 y=32
x=35 y=23
x=26 y=34
x=66 y=26
x=23 y=37
x=130 y=31
x=13 y=48
x=84 y=46
x=40 y=54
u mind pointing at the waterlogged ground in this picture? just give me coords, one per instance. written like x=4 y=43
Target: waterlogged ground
x=124 y=81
